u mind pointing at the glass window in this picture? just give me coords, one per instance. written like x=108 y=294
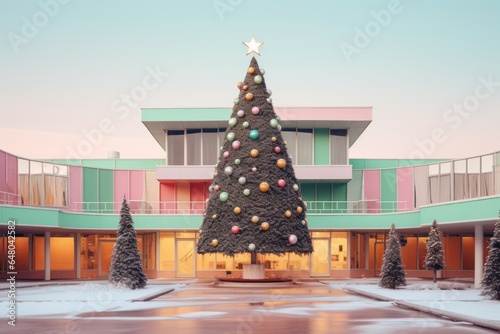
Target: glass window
x=452 y=252
x=210 y=146
x=36 y=183
x=290 y=136
x=304 y=147
x=473 y=169
x=205 y=261
x=240 y=259
x=298 y=262
x=338 y=147
x=22 y=251
x=274 y=262
x=338 y=250
x=460 y=180
x=38 y=252
x=62 y=253
x=149 y=251
x=321 y=234
x=167 y=251
x=224 y=262
x=88 y=254
x=409 y=253
x=193 y=147
x=175 y=147
x=468 y=253
x=185 y=235
x=487 y=175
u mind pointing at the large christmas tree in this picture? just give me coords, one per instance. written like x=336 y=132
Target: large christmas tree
x=392 y=273
x=126 y=265
x=434 y=259
x=255 y=203
x=491 y=275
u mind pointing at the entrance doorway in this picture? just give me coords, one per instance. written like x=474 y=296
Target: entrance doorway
x=185 y=261
x=104 y=256
x=320 y=258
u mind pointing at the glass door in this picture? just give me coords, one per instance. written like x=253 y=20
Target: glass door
x=185 y=250
x=320 y=258
x=104 y=256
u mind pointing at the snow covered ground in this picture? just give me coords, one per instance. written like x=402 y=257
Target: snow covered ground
x=467 y=305
x=77 y=300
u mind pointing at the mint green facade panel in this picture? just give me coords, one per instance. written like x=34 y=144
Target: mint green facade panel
x=340 y=196
x=388 y=190
x=323 y=197
x=185 y=114
x=106 y=189
x=321 y=146
x=355 y=186
x=90 y=190
x=308 y=190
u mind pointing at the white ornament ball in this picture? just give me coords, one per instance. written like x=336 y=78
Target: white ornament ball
x=228 y=170
x=242 y=180
x=296 y=187
x=251 y=247
x=240 y=113
x=269 y=92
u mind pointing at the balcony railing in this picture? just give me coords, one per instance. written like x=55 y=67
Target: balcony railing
x=198 y=207
x=10 y=198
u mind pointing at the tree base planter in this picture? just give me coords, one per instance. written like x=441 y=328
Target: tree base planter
x=253 y=271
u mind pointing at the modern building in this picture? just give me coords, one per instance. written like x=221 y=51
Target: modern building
x=66 y=211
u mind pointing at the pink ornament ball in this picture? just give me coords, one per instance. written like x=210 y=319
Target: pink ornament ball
x=226 y=154
x=277 y=149
x=240 y=113
x=255 y=110
x=217 y=188
x=292 y=239
x=235 y=229
x=281 y=183
x=236 y=144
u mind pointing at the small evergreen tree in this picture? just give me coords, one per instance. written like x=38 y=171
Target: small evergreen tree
x=491 y=276
x=392 y=273
x=434 y=259
x=126 y=264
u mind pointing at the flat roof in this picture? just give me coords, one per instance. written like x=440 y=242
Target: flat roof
x=159 y=120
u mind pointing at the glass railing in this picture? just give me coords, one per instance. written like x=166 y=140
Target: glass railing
x=10 y=198
x=198 y=207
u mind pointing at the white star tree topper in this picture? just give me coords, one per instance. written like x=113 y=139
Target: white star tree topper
x=253 y=46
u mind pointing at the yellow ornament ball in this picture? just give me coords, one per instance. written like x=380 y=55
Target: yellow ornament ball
x=214 y=243
x=254 y=153
x=264 y=187
x=288 y=213
x=281 y=163
x=239 y=85
x=237 y=210
x=299 y=209
x=249 y=96
x=255 y=219
x=214 y=217
x=264 y=226
x=273 y=139
x=251 y=70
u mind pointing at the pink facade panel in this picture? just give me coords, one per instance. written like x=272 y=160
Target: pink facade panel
x=11 y=176
x=405 y=189
x=3 y=175
x=75 y=188
x=371 y=179
x=167 y=198
x=121 y=188
x=137 y=185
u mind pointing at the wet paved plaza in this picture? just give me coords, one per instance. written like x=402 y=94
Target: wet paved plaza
x=295 y=308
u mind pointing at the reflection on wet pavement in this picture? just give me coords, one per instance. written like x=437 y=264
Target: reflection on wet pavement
x=300 y=308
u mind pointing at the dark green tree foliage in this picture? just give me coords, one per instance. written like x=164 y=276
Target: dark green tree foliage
x=126 y=265
x=392 y=273
x=242 y=215
x=434 y=259
x=491 y=276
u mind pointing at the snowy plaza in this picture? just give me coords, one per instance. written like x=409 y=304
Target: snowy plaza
x=199 y=306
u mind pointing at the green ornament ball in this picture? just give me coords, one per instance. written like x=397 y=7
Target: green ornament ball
x=236 y=101
x=237 y=161
x=257 y=79
x=230 y=136
x=246 y=124
x=254 y=134
x=224 y=196
x=273 y=123
x=246 y=192
x=232 y=121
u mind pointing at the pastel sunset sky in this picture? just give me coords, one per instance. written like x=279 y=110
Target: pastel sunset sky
x=430 y=69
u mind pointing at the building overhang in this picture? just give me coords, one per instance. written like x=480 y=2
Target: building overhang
x=159 y=120
x=331 y=173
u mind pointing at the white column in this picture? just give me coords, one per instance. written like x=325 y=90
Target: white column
x=478 y=255
x=47 y=256
x=77 y=254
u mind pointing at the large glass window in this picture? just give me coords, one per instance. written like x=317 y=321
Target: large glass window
x=468 y=252
x=473 y=169
x=339 y=250
x=62 y=253
x=460 y=179
x=175 y=147
x=36 y=183
x=149 y=251
x=304 y=147
x=298 y=262
x=22 y=251
x=193 y=147
x=205 y=261
x=487 y=175
x=167 y=251
x=88 y=255
x=38 y=252
x=290 y=136
x=409 y=252
x=452 y=251
x=338 y=147
x=210 y=146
